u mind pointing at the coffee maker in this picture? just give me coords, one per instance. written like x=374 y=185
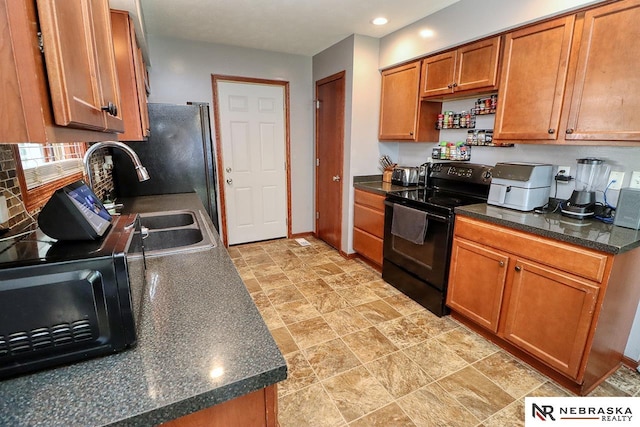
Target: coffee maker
x=590 y=173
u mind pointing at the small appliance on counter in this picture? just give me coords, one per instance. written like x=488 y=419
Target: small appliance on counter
x=63 y=301
x=405 y=175
x=520 y=186
x=590 y=173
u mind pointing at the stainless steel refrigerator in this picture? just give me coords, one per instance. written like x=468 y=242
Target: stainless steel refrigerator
x=178 y=155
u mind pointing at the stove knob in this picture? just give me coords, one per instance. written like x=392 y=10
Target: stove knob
x=487 y=175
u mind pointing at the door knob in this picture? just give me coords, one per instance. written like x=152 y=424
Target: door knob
x=336 y=178
x=229 y=181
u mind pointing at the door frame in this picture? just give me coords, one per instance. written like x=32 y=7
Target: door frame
x=215 y=78
x=337 y=76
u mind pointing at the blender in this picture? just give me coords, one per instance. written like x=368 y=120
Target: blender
x=589 y=174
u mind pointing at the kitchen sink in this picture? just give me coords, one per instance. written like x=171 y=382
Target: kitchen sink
x=170 y=232
x=166 y=220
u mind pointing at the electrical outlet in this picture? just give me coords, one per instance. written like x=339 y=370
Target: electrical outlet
x=617 y=177
x=566 y=169
x=635 y=180
x=4 y=210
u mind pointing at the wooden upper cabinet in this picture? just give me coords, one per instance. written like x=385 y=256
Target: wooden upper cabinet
x=605 y=100
x=57 y=101
x=473 y=67
x=399 y=102
x=533 y=78
x=403 y=117
x=80 y=63
x=131 y=75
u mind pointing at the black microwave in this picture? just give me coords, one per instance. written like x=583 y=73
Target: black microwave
x=65 y=301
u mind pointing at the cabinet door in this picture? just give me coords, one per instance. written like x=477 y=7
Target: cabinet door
x=532 y=82
x=476 y=282
x=107 y=77
x=549 y=315
x=477 y=66
x=438 y=74
x=399 y=102
x=79 y=58
x=605 y=101
x=130 y=78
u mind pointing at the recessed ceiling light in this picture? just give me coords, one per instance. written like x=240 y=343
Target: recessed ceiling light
x=380 y=21
x=426 y=33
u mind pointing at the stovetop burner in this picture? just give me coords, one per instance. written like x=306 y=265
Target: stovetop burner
x=450 y=185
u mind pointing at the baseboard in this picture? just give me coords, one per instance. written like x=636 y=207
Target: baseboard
x=299 y=235
x=629 y=362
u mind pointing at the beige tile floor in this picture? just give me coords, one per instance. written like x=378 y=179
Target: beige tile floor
x=360 y=353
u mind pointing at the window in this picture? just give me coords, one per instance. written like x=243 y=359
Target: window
x=43 y=168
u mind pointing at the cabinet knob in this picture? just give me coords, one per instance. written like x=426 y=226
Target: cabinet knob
x=501 y=263
x=551 y=131
x=450 y=86
x=455 y=85
x=110 y=108
x=569 y=131
x=518 y=268
x=410 y=133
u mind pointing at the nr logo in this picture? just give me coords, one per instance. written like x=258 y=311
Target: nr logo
x=543 y=412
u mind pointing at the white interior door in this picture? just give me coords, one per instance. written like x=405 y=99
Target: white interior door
x=252 y=128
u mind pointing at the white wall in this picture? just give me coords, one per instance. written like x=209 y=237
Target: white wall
x=181 y=71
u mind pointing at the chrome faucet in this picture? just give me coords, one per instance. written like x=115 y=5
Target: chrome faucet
x=142 y=173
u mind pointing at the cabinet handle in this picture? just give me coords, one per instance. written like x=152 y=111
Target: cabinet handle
x=551 y=131
x=501 y=263
x=110 y=108
x=518 y=268
x=450 y=86
x=569 y=131
x=410 y=133
x=455 y=85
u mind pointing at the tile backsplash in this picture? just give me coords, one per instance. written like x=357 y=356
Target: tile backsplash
x=10 y=186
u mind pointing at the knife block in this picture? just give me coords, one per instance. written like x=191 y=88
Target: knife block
x=386 y=175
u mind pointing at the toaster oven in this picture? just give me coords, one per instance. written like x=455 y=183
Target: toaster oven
x=64 y=301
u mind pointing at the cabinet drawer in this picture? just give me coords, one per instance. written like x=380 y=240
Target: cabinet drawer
x=369 y=220
x=371 y=200
x=572 y=259
x=367 y=245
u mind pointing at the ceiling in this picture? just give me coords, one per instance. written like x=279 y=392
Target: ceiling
x=303 y=27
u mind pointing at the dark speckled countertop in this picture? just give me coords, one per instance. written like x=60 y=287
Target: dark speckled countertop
x=374 y=184
x=589 y=233
x=201 y=342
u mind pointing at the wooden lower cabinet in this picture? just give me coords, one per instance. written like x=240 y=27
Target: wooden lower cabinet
x=477 y=281
x=368 y=223
x=564 y=309
x=256 y=409
x=549 y=315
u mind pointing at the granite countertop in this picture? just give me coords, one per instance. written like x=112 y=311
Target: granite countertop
x=589 y=233
x=374 y=184
x=201 y=341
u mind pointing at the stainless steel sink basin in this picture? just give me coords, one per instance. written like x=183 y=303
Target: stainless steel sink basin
x=164 y=220
x=170 y=232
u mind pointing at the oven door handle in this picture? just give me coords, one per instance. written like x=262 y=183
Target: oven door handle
x=429 y=214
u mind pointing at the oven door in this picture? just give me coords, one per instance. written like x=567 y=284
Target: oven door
x=429 y=261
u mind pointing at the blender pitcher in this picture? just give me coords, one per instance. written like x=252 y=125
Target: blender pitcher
x=590 y=174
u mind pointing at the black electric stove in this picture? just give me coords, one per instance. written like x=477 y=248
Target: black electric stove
x=420 y=270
